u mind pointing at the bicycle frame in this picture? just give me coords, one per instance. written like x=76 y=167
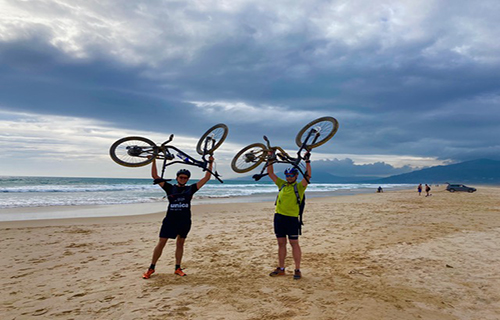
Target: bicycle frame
x=164 y=152
x=278 y=152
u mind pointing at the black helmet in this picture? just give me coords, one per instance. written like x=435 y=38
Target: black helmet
x=184 y=171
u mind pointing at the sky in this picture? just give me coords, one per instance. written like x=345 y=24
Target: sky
x=412 y=83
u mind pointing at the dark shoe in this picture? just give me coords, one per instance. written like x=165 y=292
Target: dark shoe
x=277 y=272
x=297 y=274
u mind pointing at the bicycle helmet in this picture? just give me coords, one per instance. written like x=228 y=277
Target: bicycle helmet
x=184 y=171
x=292 y=170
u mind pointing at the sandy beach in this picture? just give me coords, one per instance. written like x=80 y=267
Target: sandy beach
x=394 y=255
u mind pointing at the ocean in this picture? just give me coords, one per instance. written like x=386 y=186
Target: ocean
x=22 y=192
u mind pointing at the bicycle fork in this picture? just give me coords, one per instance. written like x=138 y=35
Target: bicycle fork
x=295 y=162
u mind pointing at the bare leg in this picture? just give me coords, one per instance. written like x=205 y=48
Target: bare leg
x=158 y=250
x=281 y=252
x=296 y=252
x=179 y=250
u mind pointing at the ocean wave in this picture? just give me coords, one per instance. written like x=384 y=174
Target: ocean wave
x=74 y=202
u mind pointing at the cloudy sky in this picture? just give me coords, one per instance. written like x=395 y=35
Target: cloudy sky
x=412 y=83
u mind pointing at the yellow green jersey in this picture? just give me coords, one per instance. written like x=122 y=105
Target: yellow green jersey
x=286 y=203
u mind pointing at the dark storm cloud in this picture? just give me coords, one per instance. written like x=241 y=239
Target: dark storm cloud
x=37 y=78
x=402 y=79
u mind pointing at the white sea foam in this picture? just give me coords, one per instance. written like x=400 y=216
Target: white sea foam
x=89 y=188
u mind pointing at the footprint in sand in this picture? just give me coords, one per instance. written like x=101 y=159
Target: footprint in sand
x=78 y=295
x=40 y=312
x=21 y=275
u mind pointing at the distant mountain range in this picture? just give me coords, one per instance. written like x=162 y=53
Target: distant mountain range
x=482 y=171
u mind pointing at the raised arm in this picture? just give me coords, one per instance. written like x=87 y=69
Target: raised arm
x=270 y=171
x=154 y=172
x=308 y=171
x=207 y=176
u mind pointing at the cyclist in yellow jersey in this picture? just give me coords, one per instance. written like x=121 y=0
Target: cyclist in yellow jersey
x=286 y=218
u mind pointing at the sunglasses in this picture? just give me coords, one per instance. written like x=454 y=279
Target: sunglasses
x=289 y=175
x=183 y=177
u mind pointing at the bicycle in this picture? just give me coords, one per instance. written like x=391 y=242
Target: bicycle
x=312 y=135
x=139 y=151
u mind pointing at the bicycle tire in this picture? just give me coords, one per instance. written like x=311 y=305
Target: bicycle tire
x=328 y=124
x=218 y=133
x=120 y=151
x=259 y=153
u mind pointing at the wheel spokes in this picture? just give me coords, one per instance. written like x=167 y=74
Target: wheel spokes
x=216 y=135
x=133 y=151
x=322 y=129
x=249 y=158
x=212 y=139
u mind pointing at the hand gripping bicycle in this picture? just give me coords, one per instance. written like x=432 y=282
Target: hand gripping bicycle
x=313 y=135
x=140 y=151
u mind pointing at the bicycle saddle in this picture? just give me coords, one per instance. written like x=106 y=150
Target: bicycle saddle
x=156 y=181
x=257 y=177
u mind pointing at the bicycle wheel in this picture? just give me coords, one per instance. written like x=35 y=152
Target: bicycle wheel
x=326 y=126
x=249 y=158
x=133 y=151
x=213 y=138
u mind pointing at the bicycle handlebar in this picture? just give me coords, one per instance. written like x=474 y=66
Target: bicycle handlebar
x=267 y=141
x=186 y=159
x=168 y=140
x=285 y=158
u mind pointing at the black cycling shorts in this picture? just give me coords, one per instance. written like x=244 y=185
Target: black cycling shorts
x=173 y=227
x=286 y=226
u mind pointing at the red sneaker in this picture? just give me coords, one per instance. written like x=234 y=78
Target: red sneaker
x=179 y=272
x=148 y=273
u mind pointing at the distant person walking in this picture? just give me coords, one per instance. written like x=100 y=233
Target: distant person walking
x=419 y=188
x=427 y=190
